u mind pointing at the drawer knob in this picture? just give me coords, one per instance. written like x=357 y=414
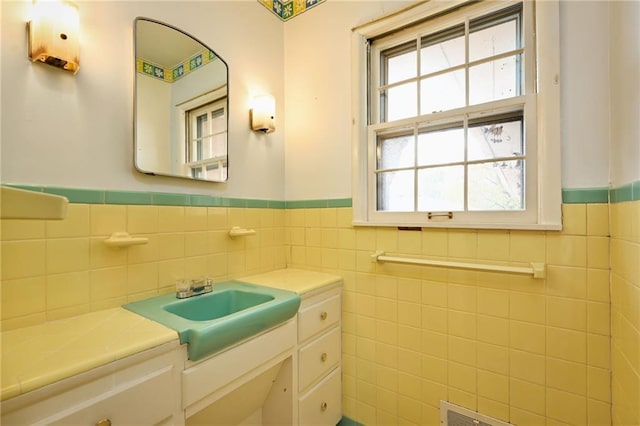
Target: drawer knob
x=323 y=315
x=103 y=422
x=323 y=357
x=323 y=406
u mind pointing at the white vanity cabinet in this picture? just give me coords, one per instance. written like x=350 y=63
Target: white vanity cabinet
x=320 y=358
x=142 y=389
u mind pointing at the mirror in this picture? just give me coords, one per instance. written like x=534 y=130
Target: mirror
x=181 y=104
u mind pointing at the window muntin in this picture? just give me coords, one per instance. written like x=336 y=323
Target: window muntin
x=206 y=140
x=471 y=76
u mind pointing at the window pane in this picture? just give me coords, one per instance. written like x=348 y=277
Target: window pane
x=401 y=66
x=219 y=145
x=395 y=191
x=440 y=147
x=443 y=92
x=441 y=189
x=218 y=121
x=499 y=79
x=201 y=125
x=495 y=140
x=493 y=40
x=396 y=152
x=496 y=186
x=442 y=51
x=401 y=102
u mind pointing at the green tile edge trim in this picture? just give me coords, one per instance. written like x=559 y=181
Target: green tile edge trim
x=97 y=196
x=585 y=195
x=346 y=421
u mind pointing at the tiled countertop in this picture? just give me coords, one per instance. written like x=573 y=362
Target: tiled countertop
x=297 y=280
x=36 y=356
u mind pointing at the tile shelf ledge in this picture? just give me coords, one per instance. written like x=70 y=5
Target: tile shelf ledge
x=123 y=239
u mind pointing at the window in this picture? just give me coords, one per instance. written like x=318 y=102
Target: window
x=453 y=130
x=207 y=140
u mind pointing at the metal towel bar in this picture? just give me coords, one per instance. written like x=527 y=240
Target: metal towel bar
x=536 y=269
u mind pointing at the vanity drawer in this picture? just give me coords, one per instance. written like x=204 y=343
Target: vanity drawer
x=318 y=357
x=318 y=317
x=323 y=404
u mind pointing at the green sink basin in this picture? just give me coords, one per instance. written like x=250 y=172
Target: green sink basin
x=232 y=312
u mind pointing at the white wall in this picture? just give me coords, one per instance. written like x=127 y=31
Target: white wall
x=625 y=92
x=154 y=123
x=318 y=64
x=76 y=131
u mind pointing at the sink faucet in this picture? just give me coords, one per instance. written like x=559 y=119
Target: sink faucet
x=193 y=288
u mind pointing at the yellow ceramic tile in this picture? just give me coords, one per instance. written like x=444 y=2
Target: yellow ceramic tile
x=70 y=289
x=435 y=242
x=328 y=218
x=347 y=260
x=462 y=297
x=574 y=219
x=329 y=259
x=598 y=285
x=347 y=239
x=525 y=418
x=566 y=250
x=409 y=385
x=22 y=259
x=171 y=246
x=386 y=355
x=409 y=314
x=344 y=217
x=527 y=246
x=196 y=243
x=314 y=257
x=386 y=287
x=462 y=377
x=527 y=337
x=67 y=255
x=568 y=345
x=567 y=281
x=462 y=351
x=599 y=384
x=171 y=219
x=105 y=219
x=567 y=376
x=493 y=330
x=24 y=296
x=409 y=410
x=171 y=270
x=76 y=224
x=430 y=415
x=103 y=256
x=330 y=238
x=365 y=371
x=434 y=344
x=15 y=229
x=463 y=398
x=493 y=245
x=434 y=293
x=527 y=396
x=409 y=290
x=386 y=401
x=493 y=302
x=493 y=358
x=599 y=413
x=143 y=253
x=142 y=219
x=313 y=237
x=23 y=322
x=527 y=307
x=366 y=239
x=494 y=409
x=312 y=218
x=461 y=324
x=108 y=283
x=434 y=318
x=493 y=386
x=409 y=338
x=598 y=252
x=252 y=218
x=217 y=218
x=527 y=366
x=566 y=407
x=68 y=312
x=463 y=244
x=598 y=219
x=598 y=318
x=387 y=239
x=142 y=277
x=434 y=369
x=382 y=331
x=410 y=242
x=567 y=313
x=598 y=350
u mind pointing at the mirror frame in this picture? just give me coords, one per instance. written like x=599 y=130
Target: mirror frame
x=136 y=106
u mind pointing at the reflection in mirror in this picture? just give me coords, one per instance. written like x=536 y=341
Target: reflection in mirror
x=181 y=105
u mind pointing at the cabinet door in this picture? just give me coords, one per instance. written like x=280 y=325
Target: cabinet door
x=146 y=401
x=322 y=405
x=318 y=317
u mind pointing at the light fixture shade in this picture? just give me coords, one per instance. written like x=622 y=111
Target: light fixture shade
x=263 y=114
x=54 y=34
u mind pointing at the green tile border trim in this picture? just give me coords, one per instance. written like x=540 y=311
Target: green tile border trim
x=585 y=195
x=346 y=421
x=97 y=196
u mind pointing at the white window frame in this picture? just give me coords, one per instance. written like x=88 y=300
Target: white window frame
x=544 y=199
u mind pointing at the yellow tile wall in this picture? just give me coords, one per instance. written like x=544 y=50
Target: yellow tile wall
x=57 y=269
x=531 y=352
x=625 y=309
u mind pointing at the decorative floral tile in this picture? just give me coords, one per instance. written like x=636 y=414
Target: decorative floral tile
x=287 y=9
x=171 y=75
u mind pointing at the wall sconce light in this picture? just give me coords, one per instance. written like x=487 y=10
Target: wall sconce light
x=54 y=34
x=263 y=114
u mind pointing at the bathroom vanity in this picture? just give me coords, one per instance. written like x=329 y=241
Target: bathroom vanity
x=115 y=367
